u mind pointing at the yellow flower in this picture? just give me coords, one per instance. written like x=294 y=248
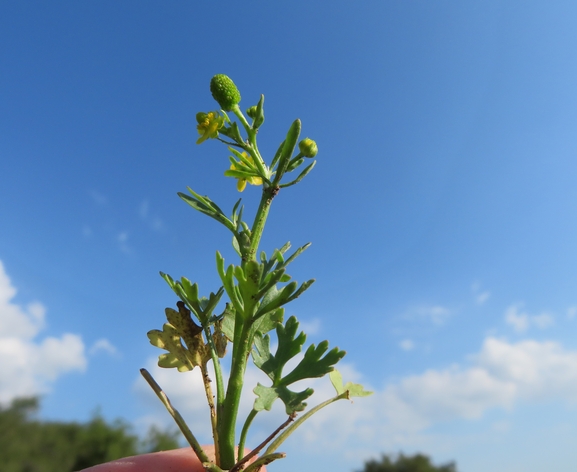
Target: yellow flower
x=208 y=125
x=254 y=180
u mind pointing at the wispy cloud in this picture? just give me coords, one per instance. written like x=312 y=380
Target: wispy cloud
x=103 y=345
x=571 y=312
x=481 y=296
x=29 y=366
x=407 y=345
x=98 y=198
x=122 y=239
x=435 y=313
x=153 y=221
x=521 y=321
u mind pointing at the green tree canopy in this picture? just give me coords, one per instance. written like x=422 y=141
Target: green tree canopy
x=30 y=445
x=402 y=463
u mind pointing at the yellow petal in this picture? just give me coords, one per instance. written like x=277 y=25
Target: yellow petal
x=241 y=185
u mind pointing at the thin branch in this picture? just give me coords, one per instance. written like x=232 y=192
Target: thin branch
x=176 y=416
x=239 y=465
x=230 y=144
x=210 y=399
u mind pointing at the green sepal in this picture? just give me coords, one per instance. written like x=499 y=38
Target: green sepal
x=232 y=132
x=352 y=390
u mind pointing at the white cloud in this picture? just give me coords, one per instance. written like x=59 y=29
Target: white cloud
x=521 y=322
x=407 y=345
x=29 y=366
x=310 y=326
x=501 y=375
x=571 y=312
x=103 y=345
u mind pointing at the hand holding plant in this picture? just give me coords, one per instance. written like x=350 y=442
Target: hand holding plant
x=257 y=289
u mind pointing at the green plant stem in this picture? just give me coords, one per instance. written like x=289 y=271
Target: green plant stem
x=240 y=464
x=227 y=421
x=264 y=460
x=251 y=146
x=257 y=229
x=243 y=434
x=176 y=416
x=287 y=432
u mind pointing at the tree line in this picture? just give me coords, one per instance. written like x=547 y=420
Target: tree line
x=30 y=445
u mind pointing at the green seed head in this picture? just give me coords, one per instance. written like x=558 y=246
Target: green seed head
x=224 y=91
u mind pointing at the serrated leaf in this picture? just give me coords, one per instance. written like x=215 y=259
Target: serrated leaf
x=313 y=364
x=227 y=325
x=262 y=356
x=219 y=339
x=289 y=345
x=354 y=390
x=276 y=298
x=266 y=396
x=169 y=340
x=269 y=321
x=293 y=401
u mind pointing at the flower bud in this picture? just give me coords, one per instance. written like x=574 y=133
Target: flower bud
x=201 y=117
x=224 y=91
x=251 y=112
x=308 y=147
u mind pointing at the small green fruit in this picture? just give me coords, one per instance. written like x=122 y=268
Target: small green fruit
x=224 y=91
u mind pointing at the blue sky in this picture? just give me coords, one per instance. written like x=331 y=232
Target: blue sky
x=442 y=211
